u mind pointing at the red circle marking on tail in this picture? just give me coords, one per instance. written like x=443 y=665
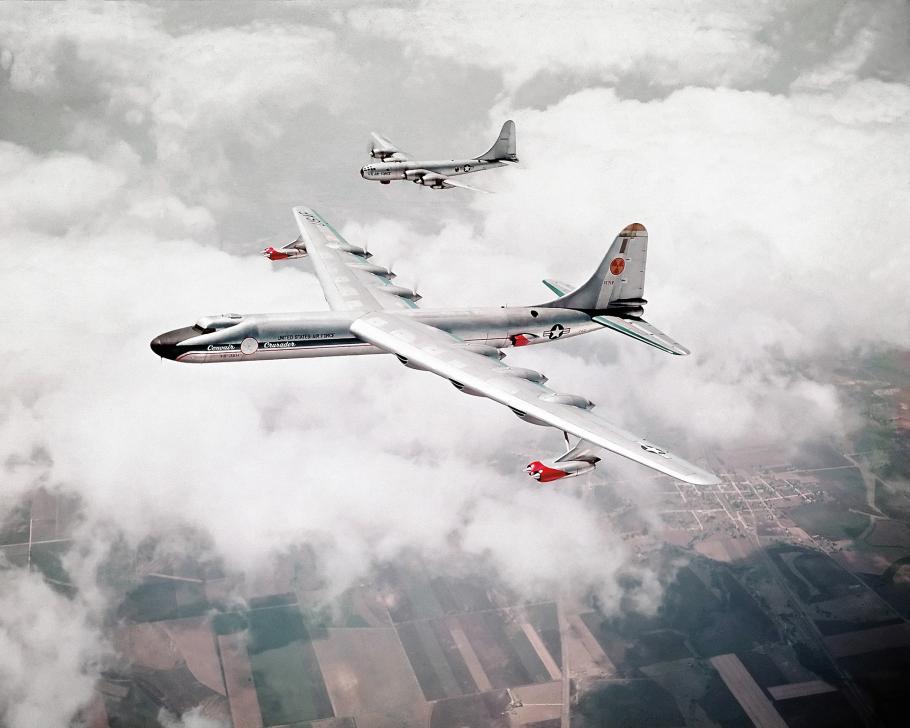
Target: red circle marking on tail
x=617 y=265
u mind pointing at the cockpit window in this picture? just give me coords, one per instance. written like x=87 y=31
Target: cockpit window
x=213 y=323
x=202 y=330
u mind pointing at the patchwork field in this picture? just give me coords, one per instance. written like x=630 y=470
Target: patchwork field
x=368 y=676
x=289 y=683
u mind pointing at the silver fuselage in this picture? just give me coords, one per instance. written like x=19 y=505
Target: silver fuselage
x=388 y=171
x=257 y=337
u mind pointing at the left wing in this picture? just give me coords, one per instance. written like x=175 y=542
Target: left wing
x=480 y=372
x=382 y=149
x=433 y=179
x=349 y=280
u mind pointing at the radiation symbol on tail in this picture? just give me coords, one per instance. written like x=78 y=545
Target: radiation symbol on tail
x=617 y=266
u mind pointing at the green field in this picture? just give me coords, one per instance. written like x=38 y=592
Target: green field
x=286 y=672
x=640 y=703
x=830 y=520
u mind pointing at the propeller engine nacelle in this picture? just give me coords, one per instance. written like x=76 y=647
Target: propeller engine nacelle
x=401 y=291
x=546 y=471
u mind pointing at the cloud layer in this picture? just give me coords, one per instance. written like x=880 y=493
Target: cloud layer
x=148 y=150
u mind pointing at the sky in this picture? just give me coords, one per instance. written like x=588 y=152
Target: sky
x=150 y=150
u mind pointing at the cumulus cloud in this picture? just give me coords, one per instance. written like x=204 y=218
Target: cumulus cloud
x=49 y=646
x=773 y=197
x=190 y=719
x=651 y=48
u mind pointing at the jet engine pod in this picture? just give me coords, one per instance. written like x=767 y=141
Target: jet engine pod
x=284 y=253
x=546 y=471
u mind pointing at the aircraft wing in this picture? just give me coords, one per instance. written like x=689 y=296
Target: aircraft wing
x=349 y=280
x=449 y=182
x=385 y=150
x=425 y=347
x=426 y=177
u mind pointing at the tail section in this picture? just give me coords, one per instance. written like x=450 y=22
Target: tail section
x=614 y=295
x=618 y=284
x=504 y=150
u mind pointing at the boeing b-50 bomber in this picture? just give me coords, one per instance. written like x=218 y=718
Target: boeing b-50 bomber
x=395 y=164
x=371 y=315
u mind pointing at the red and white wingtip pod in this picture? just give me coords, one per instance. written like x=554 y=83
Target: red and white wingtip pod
x=283 y=254
x=546 y=471
x=273 y=254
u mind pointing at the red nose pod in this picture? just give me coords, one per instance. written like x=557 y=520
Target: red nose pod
x=542 y=474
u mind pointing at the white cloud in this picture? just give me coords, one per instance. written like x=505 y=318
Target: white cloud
x=49 y=651
x=776 y=227
x=607 y=41
x=191 y=719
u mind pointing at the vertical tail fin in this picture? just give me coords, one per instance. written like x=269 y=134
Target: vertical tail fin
x=504 y=148
x=619 y=281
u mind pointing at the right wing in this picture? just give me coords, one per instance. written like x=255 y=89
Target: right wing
x=480 y=372
x=382 y=148
x=350 y=282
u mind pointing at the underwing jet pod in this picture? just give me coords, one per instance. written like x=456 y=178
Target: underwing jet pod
x=394 y=164
x=370 y=315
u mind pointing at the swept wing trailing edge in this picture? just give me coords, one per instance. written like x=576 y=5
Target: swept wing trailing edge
x=369 y=314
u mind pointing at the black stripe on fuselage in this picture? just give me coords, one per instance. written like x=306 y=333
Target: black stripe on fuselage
x=280 y=345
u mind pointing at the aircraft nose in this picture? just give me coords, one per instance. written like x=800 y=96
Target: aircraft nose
x=166 y=345
x=158 y=346
x=362 y=172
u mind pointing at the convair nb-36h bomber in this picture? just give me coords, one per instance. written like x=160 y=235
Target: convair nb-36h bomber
x=371 y=315
x=437 y=174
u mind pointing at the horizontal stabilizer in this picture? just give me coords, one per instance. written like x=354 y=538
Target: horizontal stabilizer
x=558 y=287
x=643 y=331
